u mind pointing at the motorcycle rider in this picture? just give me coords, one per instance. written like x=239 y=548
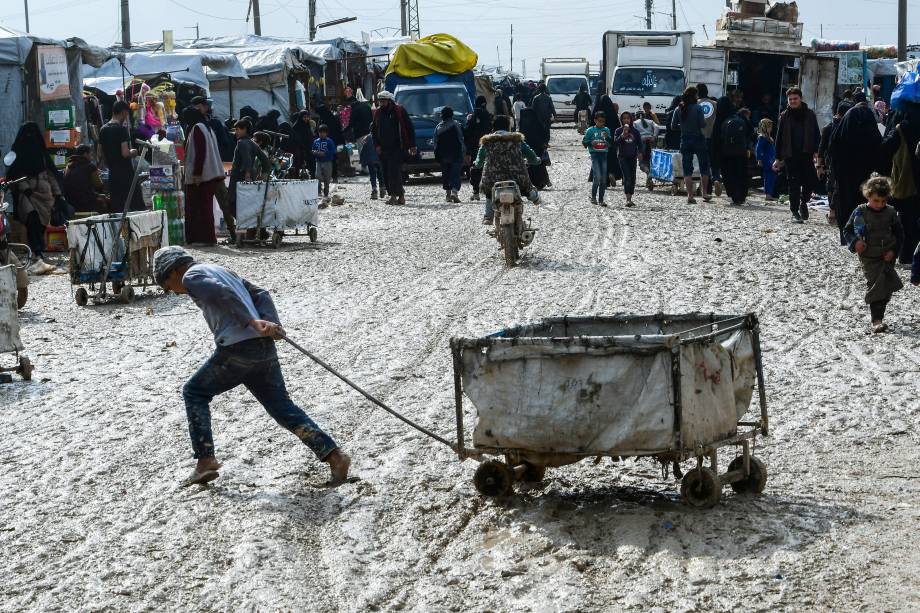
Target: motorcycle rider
x=502 y=157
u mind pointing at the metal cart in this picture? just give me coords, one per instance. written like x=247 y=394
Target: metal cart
x=9 y=328
x=669 y=387
x=270 y=209
x=666 y=168
x=116 y=250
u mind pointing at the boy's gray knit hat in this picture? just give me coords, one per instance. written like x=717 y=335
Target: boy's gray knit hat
x=167 y=259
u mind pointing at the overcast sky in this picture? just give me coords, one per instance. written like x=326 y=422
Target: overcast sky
x=542 y=28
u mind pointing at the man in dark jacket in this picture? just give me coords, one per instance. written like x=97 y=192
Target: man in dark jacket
x=546 y=111
x=853 y=148
x=361 y=118
x=394 y=137
x=797 y=140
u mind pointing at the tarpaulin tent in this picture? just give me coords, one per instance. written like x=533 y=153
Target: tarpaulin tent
x=438 y=53
x=18 y=83
x=268 y=64
x=183 y=66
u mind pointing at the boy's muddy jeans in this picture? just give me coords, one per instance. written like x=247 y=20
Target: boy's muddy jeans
x=253 y=363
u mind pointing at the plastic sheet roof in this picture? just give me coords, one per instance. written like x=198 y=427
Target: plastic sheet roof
x=15 y=47
x=184 y=66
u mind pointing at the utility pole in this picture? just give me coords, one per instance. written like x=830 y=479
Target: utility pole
x=648 y=14
x=125 y=25
x=27 y=15
x=311 y=10
x=523 y=69
x=902 y=30
x=404 y=15
x=673 y=14
x=511 y=61
x=256 y=18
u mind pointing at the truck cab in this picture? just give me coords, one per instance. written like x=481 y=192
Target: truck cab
x=563 y=78
x=646 y=66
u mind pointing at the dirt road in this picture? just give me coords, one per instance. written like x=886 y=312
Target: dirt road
x=92 y=518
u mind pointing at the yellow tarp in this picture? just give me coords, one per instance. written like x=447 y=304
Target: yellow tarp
x=438 y=53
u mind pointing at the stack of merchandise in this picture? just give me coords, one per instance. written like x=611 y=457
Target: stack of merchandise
x=165 y=186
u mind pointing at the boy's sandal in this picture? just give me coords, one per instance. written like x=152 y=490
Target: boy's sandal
x=201 y=477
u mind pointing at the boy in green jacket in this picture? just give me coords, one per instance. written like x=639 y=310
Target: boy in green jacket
x=597 y=141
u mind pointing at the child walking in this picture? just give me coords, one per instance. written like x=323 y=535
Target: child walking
x=765 y=154
x=449 y=151
x=371 y=160
x=245 y=325
x=628 y=142
x=874 y=231
x=597 y=141
x=324 y=152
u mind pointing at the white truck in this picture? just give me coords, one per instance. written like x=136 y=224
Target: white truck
x=646 y=66
x=564 y=77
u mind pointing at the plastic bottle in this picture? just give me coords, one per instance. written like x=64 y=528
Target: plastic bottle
x=157 y=202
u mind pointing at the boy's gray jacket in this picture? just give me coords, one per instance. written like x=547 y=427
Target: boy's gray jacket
x=228 y=302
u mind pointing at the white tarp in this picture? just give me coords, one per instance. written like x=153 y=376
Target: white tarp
x=288 y=204
x=565 y=399
x=143 y=224
x=183 y=65
x=9 y=316
x=606 y=395
x=257 y=54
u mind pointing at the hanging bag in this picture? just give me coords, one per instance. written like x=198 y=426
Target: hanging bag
x=902 y=170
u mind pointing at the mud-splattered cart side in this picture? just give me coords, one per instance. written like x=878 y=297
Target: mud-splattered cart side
x=672 y=387
x=106 y=249
x=10 y=342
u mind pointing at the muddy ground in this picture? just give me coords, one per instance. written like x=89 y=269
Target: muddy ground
x=92 y=451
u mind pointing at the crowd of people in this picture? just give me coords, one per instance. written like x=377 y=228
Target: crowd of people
x=721 y=140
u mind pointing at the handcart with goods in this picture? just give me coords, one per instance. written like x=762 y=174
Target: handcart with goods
x=668 y=387
x=267 y=210
x=672 y=388
x=110 y=249
x=9 y=328
x=666 y=168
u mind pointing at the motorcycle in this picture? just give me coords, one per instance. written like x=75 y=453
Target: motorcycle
x=8 y=250
x=511 y=231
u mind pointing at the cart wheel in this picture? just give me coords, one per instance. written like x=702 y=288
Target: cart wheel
x=25 y=368
x=312 y=233
x=22 y=294
x=673 y=189
x=650 y=185
x=701 y=488
x=755 y=482
x=117 y=287
x=126 y=295
x=81 y=297
x=277 y=237
x=533 y=473
x=493 y=478
x=239 y=238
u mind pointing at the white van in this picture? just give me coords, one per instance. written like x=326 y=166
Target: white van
x=563 y=78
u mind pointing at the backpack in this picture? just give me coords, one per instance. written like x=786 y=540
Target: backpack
x=734 y=137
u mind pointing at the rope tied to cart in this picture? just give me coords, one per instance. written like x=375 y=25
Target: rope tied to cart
x=367 y=395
